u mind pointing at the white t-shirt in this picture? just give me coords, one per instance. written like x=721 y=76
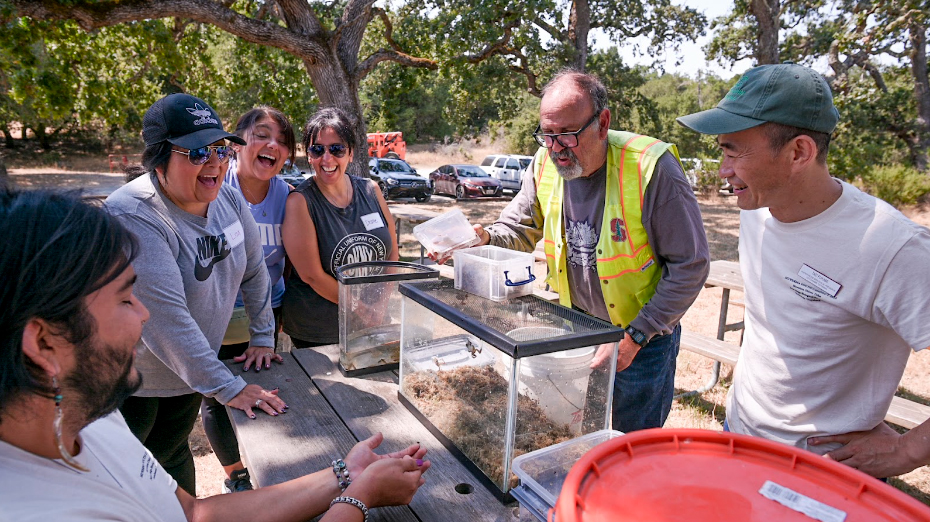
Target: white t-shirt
x=124 y=483
x=834 y=305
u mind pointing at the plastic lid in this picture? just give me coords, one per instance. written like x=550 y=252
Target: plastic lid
x=697 y=475
x=543 y=471
x=446 y=232
x=381 y=271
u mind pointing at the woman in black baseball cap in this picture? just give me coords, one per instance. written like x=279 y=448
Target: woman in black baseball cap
x=199 y=244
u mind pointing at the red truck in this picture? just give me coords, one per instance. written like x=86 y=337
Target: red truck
x=387 y=145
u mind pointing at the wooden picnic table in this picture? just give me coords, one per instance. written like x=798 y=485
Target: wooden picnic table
x=724 y=274
x=328 y=413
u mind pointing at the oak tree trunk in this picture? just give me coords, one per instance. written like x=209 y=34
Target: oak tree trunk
x=338 y=89
x=768 y=16
x=920 y=151
x=579 y=25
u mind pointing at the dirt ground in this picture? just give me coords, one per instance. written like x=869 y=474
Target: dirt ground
x=721 y=218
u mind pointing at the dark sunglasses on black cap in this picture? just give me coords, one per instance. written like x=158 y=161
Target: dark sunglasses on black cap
x=336 y=149
x=202 y=155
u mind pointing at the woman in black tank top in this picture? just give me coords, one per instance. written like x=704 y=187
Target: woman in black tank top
x=332 y=219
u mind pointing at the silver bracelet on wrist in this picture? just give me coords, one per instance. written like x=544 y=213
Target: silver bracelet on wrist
x=355 y=502
x=342 y=473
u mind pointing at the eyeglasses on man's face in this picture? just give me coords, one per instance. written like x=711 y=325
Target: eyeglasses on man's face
x=338 y=150
x=569 y=140
x=202 y=155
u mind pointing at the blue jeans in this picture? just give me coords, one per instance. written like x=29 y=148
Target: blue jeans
x=643 y=392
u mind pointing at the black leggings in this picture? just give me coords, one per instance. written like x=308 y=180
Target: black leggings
x=163 y=425
x=216 y=423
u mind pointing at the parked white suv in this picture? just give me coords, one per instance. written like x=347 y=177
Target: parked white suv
x=508 y=168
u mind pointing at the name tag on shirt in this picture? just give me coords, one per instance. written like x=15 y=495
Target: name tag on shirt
x=819 y=281
x=234 y=234
x=372 y=221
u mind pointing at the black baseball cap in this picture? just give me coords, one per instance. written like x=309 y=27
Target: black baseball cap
x=185 y=121
x=785 y=93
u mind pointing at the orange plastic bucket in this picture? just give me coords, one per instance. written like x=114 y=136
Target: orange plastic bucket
x=663 y=475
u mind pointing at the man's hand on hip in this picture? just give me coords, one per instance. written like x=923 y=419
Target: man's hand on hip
x=881 y=452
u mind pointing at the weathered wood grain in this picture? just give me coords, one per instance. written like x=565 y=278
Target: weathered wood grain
x=304 y=440
x=725 y=274
x=369 y=404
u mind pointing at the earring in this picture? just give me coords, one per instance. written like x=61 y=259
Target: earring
x=65 y=454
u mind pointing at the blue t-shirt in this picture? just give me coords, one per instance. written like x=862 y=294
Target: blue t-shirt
x=269 y=214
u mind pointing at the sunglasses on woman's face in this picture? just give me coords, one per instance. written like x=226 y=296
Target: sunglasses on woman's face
x=202 y=155
x=338 y=150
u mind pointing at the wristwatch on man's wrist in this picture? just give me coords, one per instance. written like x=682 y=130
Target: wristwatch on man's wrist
x=637 y=336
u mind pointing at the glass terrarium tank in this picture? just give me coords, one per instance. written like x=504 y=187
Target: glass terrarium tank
x=370 y=313
x=494 y=380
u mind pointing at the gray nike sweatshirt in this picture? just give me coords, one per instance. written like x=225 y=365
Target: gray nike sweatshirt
x=189 y=270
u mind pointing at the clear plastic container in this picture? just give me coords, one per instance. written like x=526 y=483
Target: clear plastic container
x=446 y=232
x=493 y=272
x=494 y=380
x=543 y=471
x=369 y=313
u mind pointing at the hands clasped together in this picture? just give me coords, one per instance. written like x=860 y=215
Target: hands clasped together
x=385 y=480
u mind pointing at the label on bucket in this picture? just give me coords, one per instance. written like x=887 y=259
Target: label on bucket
x=800 y=503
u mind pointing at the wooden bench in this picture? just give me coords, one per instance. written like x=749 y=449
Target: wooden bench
x=902 y=412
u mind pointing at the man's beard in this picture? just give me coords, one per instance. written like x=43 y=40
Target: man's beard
x=103 y=378
x=571 y=171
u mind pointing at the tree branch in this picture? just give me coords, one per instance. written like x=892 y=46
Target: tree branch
x=553 y=31
x=876 y=75
x=382 y=55
x=532 y=86
x=299 y=17
x=388 y=27
x=501 y=46
x=91 y=15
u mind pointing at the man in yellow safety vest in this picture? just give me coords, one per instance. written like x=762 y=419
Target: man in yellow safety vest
x=622 y=233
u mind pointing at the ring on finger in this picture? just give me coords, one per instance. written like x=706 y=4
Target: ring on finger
x=258 y=403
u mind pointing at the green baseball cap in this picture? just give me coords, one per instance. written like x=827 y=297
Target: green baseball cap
x=785 y=93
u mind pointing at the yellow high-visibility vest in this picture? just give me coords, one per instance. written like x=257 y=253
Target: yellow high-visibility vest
x=626 y=264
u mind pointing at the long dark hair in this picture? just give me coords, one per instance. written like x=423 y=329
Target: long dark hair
x=248 y=120
x=154 y=156
x=56 y=250
x=331 y=118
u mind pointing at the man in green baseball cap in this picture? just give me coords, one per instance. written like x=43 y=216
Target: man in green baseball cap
x=835 y=280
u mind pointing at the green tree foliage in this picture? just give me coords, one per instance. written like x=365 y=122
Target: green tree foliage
x=861 y=141
x=57 y=76
x=877 y=50
x=882 y=30
x=537 y=37
x=897 y=184
x=325 y=37
x=674 y=95
x=246 y=75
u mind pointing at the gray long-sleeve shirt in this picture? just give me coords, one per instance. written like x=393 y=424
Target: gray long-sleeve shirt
x=189 y=270
x=672 y=219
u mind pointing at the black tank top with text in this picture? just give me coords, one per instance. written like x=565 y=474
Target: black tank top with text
x=352 y=234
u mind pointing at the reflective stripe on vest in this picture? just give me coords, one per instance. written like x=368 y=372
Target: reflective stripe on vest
x=625 y=262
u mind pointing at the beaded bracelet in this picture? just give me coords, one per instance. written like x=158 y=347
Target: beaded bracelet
x=342 y=473
x=355 y=502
